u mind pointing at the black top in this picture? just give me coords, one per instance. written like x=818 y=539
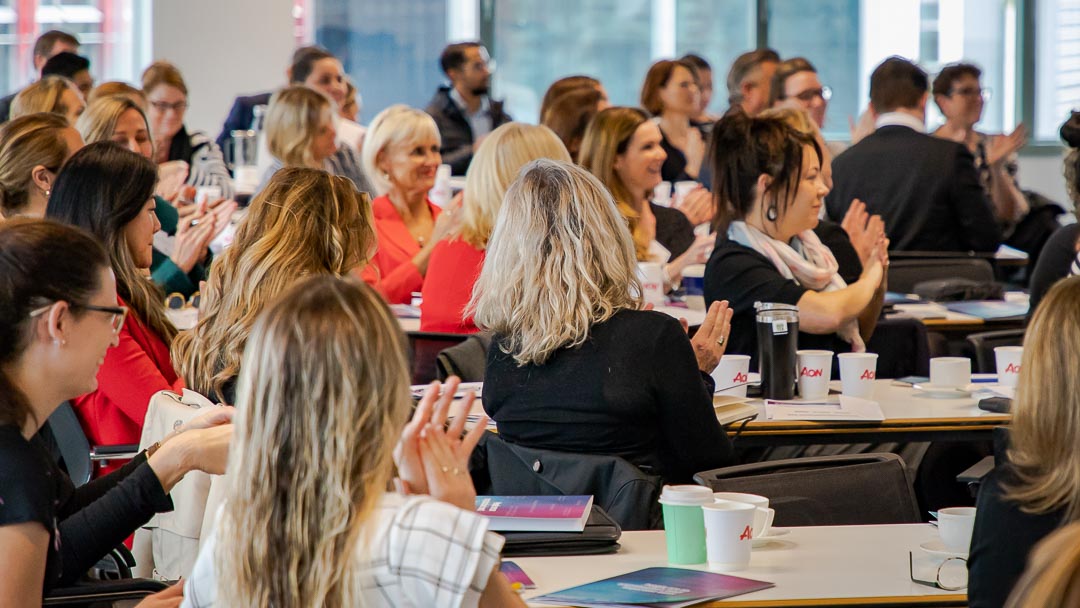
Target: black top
x=5 y=106
x=673 y=230
x=838 y=241
x=83 y=523
x=925 y=188
x=743 y=276
x=454 y=127
x=632 y=390
x=1056 y=258
x=1001 y=541
x=674 y=169
x=241 y=114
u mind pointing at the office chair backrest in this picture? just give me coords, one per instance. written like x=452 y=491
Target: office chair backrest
x=983 y=345
x=904 y=274
x=424 y=348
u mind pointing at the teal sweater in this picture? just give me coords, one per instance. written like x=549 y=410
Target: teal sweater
x=162 y=270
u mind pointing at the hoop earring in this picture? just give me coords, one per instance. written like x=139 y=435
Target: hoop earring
x=770 y=213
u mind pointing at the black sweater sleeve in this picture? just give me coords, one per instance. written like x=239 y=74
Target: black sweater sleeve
x=691 y=437
x=94 y=528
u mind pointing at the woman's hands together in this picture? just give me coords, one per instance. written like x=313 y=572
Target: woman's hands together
x=433 y=457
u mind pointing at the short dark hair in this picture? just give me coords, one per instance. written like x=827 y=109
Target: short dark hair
x=453 y=56
x=897 y=83
x=785 y=70
x=950 y=74
x=44 y=44
x=743 y=65
x=697 y=61
x=65 y=64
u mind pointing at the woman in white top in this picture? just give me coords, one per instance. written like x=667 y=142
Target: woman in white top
x=323 y=399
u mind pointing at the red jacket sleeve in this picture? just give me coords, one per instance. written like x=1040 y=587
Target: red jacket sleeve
x=398 y=285
x=129 y=377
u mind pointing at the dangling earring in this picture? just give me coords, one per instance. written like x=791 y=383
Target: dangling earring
x=770 y=213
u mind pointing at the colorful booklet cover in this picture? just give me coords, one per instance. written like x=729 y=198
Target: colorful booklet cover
x=535 y=513
x=989 y=309
x=655 y=587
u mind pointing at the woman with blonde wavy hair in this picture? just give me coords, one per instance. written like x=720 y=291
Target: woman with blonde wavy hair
x=323 y=399
x=304 y=222
x=300 y=132
x=1037 y=488
x=54 y=94
x=455 y=262
x=575 y=365
x=622 y=148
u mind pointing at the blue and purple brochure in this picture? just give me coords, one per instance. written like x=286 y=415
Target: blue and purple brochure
x=655 y=588
x=515 y=574
x=989 y=309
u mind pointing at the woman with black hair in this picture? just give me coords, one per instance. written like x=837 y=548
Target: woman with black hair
x=109 y=192
x=58 y=318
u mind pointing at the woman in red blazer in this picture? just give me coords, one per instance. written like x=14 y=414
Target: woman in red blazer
x=401 y=156
x=455 y=263
x=109 y=191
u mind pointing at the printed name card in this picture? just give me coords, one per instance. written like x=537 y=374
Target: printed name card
x=844 y=408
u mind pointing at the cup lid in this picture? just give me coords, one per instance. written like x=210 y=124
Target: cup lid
x=686 y=495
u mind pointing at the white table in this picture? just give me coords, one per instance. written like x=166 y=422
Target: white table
x=826 y=565
x=908 y=417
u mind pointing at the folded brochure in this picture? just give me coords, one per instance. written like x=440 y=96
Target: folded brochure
x=657 y=587
x=845 y=408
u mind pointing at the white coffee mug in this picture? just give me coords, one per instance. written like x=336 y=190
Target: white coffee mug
x=815 y=372
x=952 y=372
x=729 y=534
x=662 y=194
x=857 y=373
x=955 y=525
x=732 y=375
x=1008 y=359
x=763 y=516
x=651 y=275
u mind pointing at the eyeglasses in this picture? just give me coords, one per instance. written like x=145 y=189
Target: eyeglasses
x=119 y=313
x=175 y=301
x=164 y=106
x=986 y=94
x=825 y=93
x=951 y=574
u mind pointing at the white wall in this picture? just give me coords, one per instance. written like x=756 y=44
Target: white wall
x=1044 y=175
x=224 y=48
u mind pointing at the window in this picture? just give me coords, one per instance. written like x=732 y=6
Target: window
x=1057 y=65
x=114 y=35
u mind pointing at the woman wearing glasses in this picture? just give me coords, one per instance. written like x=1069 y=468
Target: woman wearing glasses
x=58 y=318
x=109 y=192
x=167 y=96
x=670 y=92
x=960 y=97
x=795 y=85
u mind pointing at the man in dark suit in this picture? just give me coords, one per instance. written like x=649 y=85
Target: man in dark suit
x=243 y=109
x=49 y=44
x=464 y=111
x=925 y=188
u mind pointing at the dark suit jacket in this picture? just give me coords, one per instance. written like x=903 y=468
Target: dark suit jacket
x=457 y=135
x=5 y=106
x=925 y=188
x=240 y=115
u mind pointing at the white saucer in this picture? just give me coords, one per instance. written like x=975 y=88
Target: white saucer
x=937 y=547
x=934 y=391
x=773 y=534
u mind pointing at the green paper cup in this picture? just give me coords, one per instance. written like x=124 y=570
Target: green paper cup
x=684 y=523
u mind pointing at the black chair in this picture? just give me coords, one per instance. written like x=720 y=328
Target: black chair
x=983 y=345
x=466 y=360
x=625 y=492
x=904 y=348
x=856 y=489
x=904 y=274
x=67 y=441
x=424 y=348
x=103 y=593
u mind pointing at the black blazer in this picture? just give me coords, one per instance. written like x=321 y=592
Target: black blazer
x=925 y=188
x=457 y=135
x=241 y=114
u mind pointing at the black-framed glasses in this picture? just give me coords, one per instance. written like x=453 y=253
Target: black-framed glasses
x=119 y=313
x=950 y=575
x=825 y=93
x=164 y=106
